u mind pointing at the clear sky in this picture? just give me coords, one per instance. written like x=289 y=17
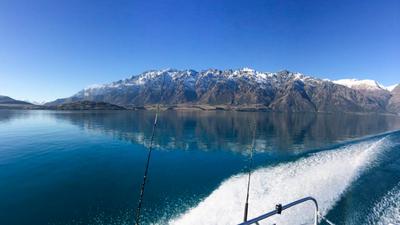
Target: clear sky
x=51 y=49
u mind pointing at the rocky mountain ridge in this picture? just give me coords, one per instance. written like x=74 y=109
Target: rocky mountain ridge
x=244 y=88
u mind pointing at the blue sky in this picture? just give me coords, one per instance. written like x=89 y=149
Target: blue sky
x=51 y=49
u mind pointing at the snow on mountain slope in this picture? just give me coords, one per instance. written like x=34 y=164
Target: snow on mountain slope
x=391 y=87
x=360 y=84
x=189 y=78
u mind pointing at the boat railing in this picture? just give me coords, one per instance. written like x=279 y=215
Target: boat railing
x=279 y=208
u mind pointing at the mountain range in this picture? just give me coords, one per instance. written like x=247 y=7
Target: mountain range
x=243 y=89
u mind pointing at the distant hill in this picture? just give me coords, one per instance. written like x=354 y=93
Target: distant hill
x=8 y=100
x=87 y=105
x=243 y=89
x=10 y=103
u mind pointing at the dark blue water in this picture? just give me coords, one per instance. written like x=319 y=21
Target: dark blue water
x=86 y=167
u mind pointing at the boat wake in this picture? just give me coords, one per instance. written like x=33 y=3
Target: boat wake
x=323 y=175
x=387 y=211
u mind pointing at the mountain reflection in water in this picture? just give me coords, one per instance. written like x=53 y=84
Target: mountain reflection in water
x=226 y=130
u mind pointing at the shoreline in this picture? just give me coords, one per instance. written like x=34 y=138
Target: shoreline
x=184 y=107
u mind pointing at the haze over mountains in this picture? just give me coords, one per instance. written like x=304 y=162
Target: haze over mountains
x=244 y=89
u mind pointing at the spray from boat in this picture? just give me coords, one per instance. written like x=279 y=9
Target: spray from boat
x=323 y=175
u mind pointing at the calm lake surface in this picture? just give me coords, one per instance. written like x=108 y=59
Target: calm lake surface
x=87 y=167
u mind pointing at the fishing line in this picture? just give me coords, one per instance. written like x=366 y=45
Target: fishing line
x=246 y=206
x=150 y=149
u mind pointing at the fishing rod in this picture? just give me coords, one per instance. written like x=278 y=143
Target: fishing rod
x=140 y=202
x=246 y=206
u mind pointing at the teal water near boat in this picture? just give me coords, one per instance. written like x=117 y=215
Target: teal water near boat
x=86 y=167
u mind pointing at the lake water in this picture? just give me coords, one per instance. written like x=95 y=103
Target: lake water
x=87 y=167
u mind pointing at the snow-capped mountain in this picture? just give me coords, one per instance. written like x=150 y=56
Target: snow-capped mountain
x=360 y=84
x=370 y=85
x=35 y=102
x=280 y=91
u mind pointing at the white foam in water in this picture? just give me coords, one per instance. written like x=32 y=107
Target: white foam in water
x=325 y=176
x=387 y=211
